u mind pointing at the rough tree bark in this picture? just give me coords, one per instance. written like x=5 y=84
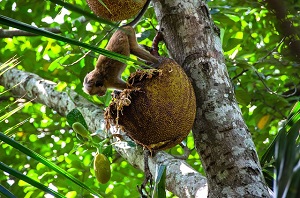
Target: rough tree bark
x=181 y=179
x=222 y=138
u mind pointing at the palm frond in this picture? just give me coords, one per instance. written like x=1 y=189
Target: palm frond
x=44 y=161
x=25 y=27
x=34 y=183
x=283 y=155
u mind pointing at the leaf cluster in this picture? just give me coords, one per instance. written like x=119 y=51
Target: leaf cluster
x=262 y=69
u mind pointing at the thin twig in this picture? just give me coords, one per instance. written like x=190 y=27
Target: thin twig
x=259 y=74
x=11 y=33
x=88 y=52
x=240 y=74
x=270 y=52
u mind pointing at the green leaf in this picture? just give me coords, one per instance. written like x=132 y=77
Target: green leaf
x=19 y=175
x=76 y=116
x=8 y=65
x=293 y=117
x=294 y=190
x=107 y=151
x=243 y=97
x=57 y=63
x=232 y=43
x=285 y=150
x=10 y=113
x=6 y=192
x=285 y=159
x=61 y=86
x=160 y=180
x=23 y=26
x=44 y=161
x=10 y=130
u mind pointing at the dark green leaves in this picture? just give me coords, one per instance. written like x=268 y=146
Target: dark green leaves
x=42 y=160
x=287 y=157
x=76 y=116
x=19 y=175
x=6 y=192
x=159 y=190
x=23 y=26
x=284 y=154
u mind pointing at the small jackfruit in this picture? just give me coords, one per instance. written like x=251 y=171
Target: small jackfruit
x=102 y=168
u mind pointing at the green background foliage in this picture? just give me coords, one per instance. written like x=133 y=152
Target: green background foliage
x=255 y=57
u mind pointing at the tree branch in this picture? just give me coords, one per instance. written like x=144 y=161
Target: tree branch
x=11 y=33
x=181 y=179
x=287 y=28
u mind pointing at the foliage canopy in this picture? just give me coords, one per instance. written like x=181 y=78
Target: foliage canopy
x=263 y=71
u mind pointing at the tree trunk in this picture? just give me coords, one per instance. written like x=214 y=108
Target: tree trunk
x=222 y=138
